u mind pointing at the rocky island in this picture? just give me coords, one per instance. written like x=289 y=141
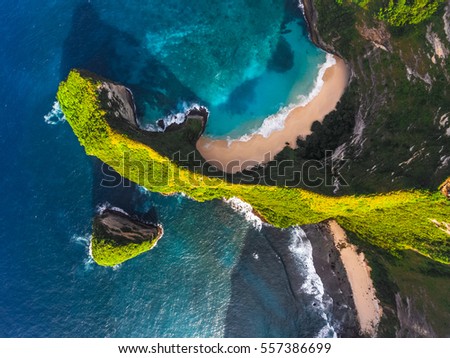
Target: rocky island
x=118 y=237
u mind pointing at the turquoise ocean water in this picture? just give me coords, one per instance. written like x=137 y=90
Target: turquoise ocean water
x=213 y=273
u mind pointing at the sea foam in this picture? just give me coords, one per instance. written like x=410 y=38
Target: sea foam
x=176 y=117
x=272 y=123
x=82 y=240
x=86 y=242
x=55 y=115
x=246 y=210
x=275 y=122
x=107 y=206
x=301 y=249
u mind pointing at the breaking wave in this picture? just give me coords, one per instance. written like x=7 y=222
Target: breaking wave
x=107 y=206
x=176 y=117
x=55 y=115
x=301 y=249
x=276 y=121
x=246 y=210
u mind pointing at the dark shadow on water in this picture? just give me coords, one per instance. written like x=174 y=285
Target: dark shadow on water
x=292 y=12
x=282 y=58
x=95 y=45
x=91 y=44
x=266 y=295
x=109 y=187
x=282 y=61
x=240 y=98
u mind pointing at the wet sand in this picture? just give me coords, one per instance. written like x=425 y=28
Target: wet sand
x=235 y=156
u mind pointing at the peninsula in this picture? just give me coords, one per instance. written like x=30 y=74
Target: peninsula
x=413 y=219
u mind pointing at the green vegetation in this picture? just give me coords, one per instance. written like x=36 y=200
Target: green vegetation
x=106 y=253
x=423 y=282
x=335 y=129
x=120 y=239
x=397 y=94
x=403 y=12
x=398 y=110
x=394 y=221
x=399 y=12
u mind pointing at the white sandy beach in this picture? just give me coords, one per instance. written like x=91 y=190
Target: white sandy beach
x=238 y=155
x=367 y=304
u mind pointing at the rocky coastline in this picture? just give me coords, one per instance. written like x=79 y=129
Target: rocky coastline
x=330 y=268
x=311 y=16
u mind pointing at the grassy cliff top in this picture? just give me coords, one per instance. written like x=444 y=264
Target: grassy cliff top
x=400 y=220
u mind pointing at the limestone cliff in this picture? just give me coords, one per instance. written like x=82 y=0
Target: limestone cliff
x=400 y=139
x=399 y=83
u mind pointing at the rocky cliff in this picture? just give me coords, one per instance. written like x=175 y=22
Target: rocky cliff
x=400 y=138
x=399 y=85
x=118 y=237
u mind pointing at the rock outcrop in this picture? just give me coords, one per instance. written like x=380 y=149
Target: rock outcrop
x=118 y=237
x=311 y=16
x=445 y=188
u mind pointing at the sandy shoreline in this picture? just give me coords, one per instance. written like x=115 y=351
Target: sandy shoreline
x=239 y=155
x=367 y=305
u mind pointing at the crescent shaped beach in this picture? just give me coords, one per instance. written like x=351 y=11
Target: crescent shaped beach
x=237 y=155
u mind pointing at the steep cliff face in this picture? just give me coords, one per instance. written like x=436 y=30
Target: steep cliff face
x=311 y=15
x=173 y=138
x=400 y=78
x=400 y=139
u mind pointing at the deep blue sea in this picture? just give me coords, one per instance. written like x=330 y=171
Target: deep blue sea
x=213 y=273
